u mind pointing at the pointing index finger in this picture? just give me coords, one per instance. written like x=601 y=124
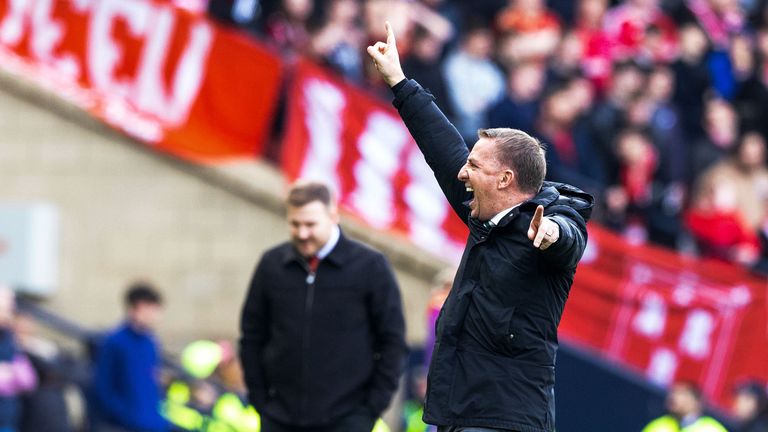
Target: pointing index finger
x=390 y=35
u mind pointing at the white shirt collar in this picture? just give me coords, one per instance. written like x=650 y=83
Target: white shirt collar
x=496 y=219
x=330 y=244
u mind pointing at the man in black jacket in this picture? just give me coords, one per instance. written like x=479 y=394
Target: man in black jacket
x=322 y=342
x=493 y=366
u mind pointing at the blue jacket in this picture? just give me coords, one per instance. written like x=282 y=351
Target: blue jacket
x=126 y=392
x=494 y=359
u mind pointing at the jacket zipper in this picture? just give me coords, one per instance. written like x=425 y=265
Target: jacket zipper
x=308 y=304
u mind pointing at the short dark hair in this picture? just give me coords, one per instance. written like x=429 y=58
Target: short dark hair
x=303 y=193
x=142 y=292
x=522 y=153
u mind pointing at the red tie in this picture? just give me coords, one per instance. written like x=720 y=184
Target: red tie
x=313 y=263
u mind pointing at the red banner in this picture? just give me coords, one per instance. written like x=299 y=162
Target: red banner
x=667 y=316
x=342 y=135
x=165 y=76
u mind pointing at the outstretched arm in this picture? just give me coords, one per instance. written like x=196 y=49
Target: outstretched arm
x=440 y=142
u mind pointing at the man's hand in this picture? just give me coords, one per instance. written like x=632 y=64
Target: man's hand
x=386 y=59
x=543 y=231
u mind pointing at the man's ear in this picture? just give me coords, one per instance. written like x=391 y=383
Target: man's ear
x=506 y=179
x=333 y=212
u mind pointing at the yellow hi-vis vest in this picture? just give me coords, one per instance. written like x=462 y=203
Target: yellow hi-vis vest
x=242 y=417
x=671 y=424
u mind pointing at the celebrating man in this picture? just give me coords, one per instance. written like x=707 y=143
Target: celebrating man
x=493 y=365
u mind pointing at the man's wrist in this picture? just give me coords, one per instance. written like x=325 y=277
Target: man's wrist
x=397 y=86
x=395 y=80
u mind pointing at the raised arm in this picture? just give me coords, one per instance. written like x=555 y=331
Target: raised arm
x=439 y=141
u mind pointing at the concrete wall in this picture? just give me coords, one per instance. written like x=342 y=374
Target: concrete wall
x=128 y=213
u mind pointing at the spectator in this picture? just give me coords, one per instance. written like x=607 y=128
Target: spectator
x=339 y=41
x=750 y=407
x=638 y=162
x=424 y=63
x=685 y=412
x=126 y=390
x=595 y=44
x=718 y=225
x=520 y=106
x=537 y=28
x=567 y=58
x=746 y=170
x=607 y=117
x=690 y=68
x=751 y=100
x=475 y=83
x=46 y=408
x=322 y=343
x=571 y=156
x=721 y=130
x=629 y=25
x=287 y=27
x=666 y=127
x=16 y=373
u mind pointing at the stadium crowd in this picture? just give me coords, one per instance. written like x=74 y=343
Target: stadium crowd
x=655 y=106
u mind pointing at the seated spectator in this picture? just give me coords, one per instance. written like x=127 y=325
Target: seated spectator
x=750 y=407
x=595 y=45
x=691 y=68
x=567 y=58
x=339 y=41
x=746 y=170
x=751 y=99
x=520 y=106
x=287 y=27
x=607 y=117
x=638 y=162
x=721 y=133
x=718 y=226
x=537 y=28
x=423 y=65
x=475 y=83
x=665 y=126
x=629 y=24
x=571 y=156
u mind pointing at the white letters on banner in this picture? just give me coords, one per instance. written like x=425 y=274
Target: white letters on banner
x=426 y=204
x=13 y=25
x=147 y=93
x=324 y=105
x=663 y=366
x=380 y=146
x=695 y=339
